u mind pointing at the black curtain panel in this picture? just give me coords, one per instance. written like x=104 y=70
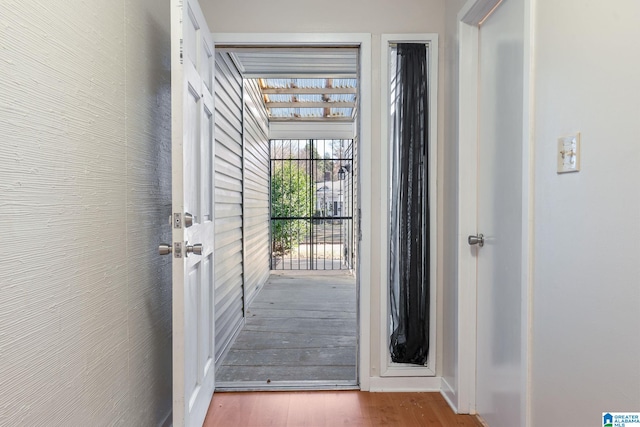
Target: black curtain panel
x=409 y=269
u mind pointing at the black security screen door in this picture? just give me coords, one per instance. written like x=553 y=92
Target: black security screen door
x=312 y=204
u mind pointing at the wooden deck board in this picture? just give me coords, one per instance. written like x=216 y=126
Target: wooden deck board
x=300 y=327
x=256 y=340
x=298 y=313
x=330 y=356
x=270 y=375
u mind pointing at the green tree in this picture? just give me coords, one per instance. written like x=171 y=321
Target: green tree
x=292 y=195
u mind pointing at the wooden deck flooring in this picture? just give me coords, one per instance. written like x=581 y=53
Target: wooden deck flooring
x=301 y=327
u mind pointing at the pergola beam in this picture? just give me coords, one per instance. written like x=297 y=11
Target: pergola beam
x=312 y=119
x=310 y=104
x=310 y=91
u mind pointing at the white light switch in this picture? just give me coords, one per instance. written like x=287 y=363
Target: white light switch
x=569 y=153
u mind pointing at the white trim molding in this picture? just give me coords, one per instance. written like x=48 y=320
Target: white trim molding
x=168 y=420
x=387 y=367
x=312 y=130
x=476 y=11
x=406 y=384
x=449 y=394
x=528 y=205
x=467 y=210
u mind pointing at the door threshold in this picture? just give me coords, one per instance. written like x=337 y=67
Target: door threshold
x=227 y=386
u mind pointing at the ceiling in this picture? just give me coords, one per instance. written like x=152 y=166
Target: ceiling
x=303 y=84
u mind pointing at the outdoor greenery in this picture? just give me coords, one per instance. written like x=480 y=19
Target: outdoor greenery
x=292 y=195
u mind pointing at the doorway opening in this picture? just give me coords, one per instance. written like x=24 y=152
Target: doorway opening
x=287 y=163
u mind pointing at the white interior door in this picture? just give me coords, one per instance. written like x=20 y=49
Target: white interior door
x=500 y=378
x=193 y=226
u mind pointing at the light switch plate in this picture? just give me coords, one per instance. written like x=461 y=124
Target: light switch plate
x=569 y=153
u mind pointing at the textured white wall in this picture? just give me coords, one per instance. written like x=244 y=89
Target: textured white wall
x=85 y=326
x=354 y=16
x=586 y=302
x=330 y=16
x=148 y=148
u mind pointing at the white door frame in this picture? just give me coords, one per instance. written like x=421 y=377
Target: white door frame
x=470 y=18
x=363 y=41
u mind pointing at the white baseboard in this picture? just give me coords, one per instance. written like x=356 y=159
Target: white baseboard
x=449 y=395
x=168 y=421
x=406 y=384
x=483 y=422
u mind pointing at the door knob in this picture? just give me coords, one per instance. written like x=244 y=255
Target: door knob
x=476 y=240
x=188 y=219
x=164 y=249
x=195 y=249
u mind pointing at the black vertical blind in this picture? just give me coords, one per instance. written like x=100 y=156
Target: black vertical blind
x=409 y=269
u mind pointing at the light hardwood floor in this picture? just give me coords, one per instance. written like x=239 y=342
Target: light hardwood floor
x=333 y=408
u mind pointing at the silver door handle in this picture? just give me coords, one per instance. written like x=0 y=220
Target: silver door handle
x=164 y=249
x=476 y=240
x=195 y=249
x=188 y=219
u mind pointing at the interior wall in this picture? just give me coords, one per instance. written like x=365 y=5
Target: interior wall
x=148 y=151
x=85 y=301
x=364 y=16
x=450 y=200
x=586 y=320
